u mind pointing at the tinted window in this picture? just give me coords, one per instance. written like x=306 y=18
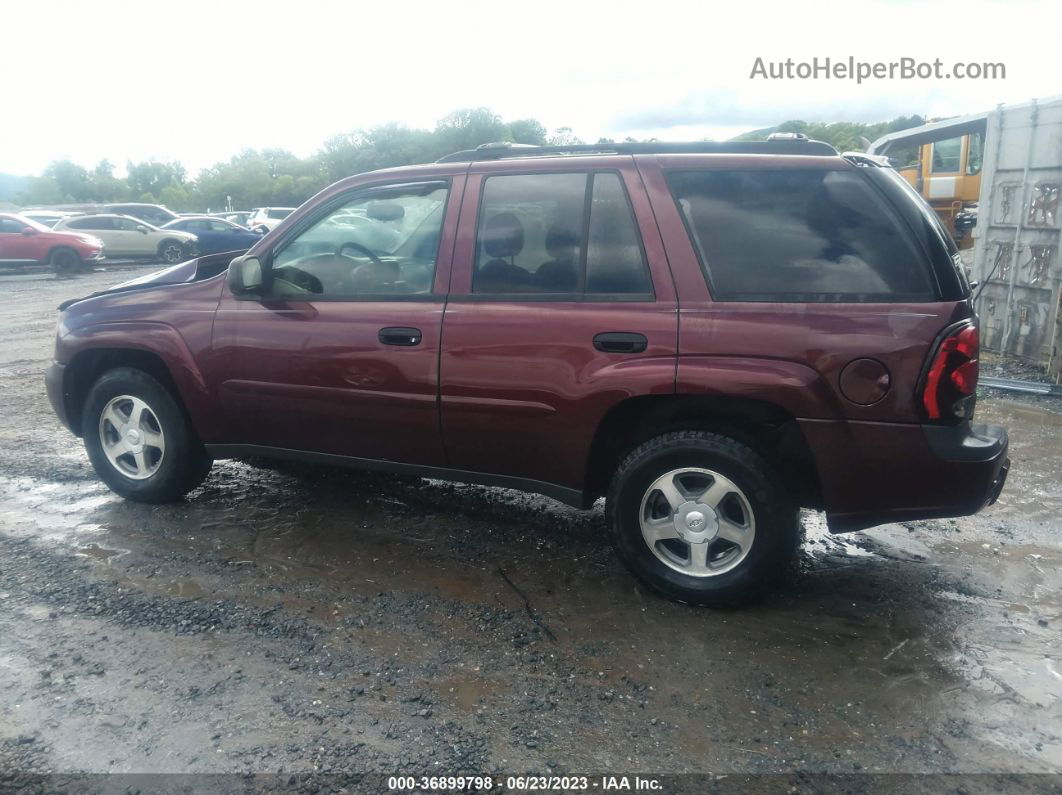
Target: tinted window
x=382 y=242
x=798 y=235
x=614 y=259
x=11 y=226
x=91 y=223
x=278 y=214
x=535 y=237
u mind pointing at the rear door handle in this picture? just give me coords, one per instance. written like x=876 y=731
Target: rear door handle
x=400 y=335
x=620 y=342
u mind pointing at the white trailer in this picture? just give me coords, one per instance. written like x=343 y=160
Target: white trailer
x=1016 y=255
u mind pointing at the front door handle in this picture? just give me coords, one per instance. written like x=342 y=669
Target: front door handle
x=620 y=342
x=400 y=335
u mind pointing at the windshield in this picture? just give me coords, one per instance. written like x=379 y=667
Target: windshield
x=32 y=224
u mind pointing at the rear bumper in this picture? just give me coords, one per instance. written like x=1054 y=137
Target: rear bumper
x=53 y=384
x=875 y=473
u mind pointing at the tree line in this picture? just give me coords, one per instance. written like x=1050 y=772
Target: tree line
x=276 y=177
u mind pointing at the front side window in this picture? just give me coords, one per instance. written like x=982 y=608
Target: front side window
x=383 y=241
x=128 y=224
x=9 y=226
x=947 y=155
x=558 y=234
x=799 y=235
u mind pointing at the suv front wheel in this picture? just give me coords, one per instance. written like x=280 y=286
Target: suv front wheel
x=138 y=439
x=702 y=518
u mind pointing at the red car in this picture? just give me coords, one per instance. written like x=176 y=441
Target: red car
x=710 y=336
x=26 y=242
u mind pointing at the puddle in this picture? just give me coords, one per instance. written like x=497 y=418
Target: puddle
x=96 y=552
x=467 y=692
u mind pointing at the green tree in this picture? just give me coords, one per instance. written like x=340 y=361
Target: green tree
x=527 y=131
x=71 y=180
x=843 y=136
x=176 y=197
x=104 y=185
x=40 y=190
x=563 y=136
x=469 y=128
x=152 y=176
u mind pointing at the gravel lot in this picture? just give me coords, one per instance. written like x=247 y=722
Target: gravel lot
x=332 y=626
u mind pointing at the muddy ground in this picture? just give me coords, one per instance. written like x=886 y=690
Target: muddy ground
x=317 y=622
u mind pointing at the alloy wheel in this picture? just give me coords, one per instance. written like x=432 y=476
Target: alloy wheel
x=172 y=253
x=132 y=437
x=697 y=522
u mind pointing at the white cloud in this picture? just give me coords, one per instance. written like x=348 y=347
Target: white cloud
x=198 y=81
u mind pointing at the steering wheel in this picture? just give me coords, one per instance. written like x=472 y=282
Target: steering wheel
x=364 y=249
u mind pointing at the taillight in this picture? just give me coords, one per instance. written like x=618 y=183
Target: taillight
x=951 y=381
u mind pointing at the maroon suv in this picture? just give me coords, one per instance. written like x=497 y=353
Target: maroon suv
x=709 y=336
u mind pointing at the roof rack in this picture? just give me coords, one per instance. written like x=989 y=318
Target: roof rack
x=500 y=150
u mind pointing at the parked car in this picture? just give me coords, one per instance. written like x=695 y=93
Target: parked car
x=125 y=236
x=706 y=337
x=152 y=213
x=24 y=241
x=215 y=234
x=48 y=218
x=266 y=219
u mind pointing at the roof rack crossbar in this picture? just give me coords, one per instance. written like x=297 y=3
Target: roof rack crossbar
x=501 y=151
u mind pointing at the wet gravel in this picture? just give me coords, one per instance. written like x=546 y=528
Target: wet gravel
x=306 y=629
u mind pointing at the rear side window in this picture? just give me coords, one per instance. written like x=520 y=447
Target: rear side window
x=559 y=234
x=91 y=223
x=799 y=235
x=278 y=215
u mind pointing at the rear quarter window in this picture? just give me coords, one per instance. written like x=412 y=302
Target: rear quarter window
x=799 y=235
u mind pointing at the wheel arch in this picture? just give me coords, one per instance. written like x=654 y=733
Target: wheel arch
x=765 y=426
x=60 y=247
x=87 y=365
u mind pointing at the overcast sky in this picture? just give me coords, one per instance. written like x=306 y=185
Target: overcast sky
x=199 y=81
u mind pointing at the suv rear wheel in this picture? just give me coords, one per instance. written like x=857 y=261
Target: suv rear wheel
x=138 y=439
x=702 y=518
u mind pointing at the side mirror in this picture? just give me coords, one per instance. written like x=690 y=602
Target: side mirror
x=246 y=276
x=142 y=230
x=29 y=231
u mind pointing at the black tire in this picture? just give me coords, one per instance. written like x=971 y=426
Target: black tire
x=64 y=261
x=776 y=517
x=171 y=252
x=185 y=462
